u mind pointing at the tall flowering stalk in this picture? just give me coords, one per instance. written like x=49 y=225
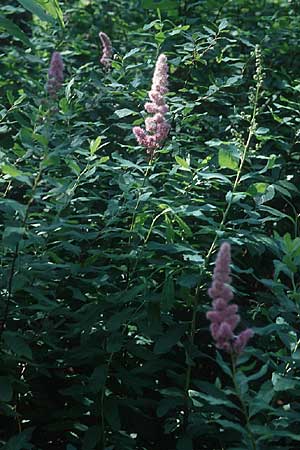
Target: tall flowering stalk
x=106 y=57
x=157 y=127
x=55 y=74
x=224 y=317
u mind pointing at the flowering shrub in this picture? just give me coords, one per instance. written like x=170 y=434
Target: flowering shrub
x=108 y=338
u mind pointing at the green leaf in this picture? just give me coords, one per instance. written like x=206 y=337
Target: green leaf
x=168 y=294
x=98 y=378
x=212 y=400
x=182 y=162
x=17 y=344
x=262 y=130
x=52 y=7
x=114 y=342
x=103 y=159
x=6 y=391
x=14 y=30
x=124 y=112
x=36 y=9
x=74 y=166
x=271 y=434
x=161 y=4
x=12 y=235
x=223 y=24
x=68 y=90
x=95 y=144
x=283 y=383
x=262 y=400
x=224 y=366
x=20 y=441
x=228 y=157
x=169 y=339
x=275 y=212
x=111 y=413
x=166 y=404
x=267 y=195
x=12 y=171
x=232 y=425
x=257 y=375
x=12 y=206
x=242 y=382
x=131 y=52
x=184 y=443
x=91 y=438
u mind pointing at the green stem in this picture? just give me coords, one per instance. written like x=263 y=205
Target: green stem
x=251 y=131
x=192 y=339
x=110 y=358
x=131 y=272
x=243 y=404
x=16 y=254
x=238 y=175
x=102 y=397
x=139 y=194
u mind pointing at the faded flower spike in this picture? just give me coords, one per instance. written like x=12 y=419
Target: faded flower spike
x=156 y=127
x=55 y=74
x=223 y=316
x=106 y=57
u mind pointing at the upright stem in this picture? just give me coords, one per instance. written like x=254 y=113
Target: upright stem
x=243 y=404
x=192 y=339
x=16 y=254
x=246 y=146
x=110 y=358
x=102 y=398
x=134 y=216
x=139 y=193
x=251 y=131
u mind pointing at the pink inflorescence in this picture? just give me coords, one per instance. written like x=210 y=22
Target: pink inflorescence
x=224 y=317
x=157 y=127
x=55 y=74
x=106 y=57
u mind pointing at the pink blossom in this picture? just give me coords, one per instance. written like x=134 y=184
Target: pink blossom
x=242 y=340
x=223 y=316
x=157 y=127
x=106 y=51
x=55 y=74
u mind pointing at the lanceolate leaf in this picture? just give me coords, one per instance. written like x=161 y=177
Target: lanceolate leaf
x=14 y=30
x=34 y=7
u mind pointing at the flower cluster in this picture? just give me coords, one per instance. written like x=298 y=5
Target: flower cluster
x=224 y=317
x=157 y=127
x=55 y=74
x=105 y=59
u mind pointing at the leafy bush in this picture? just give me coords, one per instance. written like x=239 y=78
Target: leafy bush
x=107 y=253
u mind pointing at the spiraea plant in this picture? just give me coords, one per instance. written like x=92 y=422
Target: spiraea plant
x=109 y=340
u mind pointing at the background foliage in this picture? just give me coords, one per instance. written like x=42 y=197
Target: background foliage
x=106 y=259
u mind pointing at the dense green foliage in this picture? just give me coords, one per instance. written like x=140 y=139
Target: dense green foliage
x=106 y=257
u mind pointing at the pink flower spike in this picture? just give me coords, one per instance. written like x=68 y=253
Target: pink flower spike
x=106 y=57
x=157 y=127
x=242 y=340
x=223 y=316
x=55 y=74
